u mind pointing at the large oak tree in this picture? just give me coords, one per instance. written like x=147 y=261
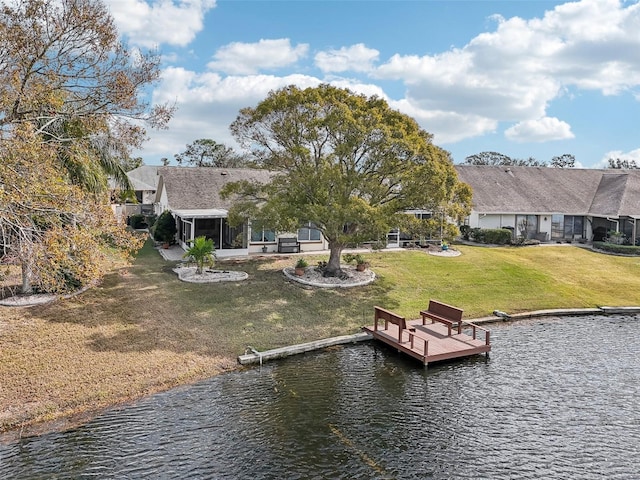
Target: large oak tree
x=72 y=108
x=346 y=163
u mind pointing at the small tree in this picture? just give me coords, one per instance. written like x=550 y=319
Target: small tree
x=165 y=228
x=203 y=252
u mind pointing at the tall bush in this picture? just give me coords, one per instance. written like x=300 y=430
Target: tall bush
x=497 y=236
x=165 y=228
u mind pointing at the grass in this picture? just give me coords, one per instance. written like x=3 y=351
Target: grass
x=142 y=330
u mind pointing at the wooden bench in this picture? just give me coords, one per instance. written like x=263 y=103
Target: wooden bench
x=443 y=313
x=288 y=245
x=389 y=317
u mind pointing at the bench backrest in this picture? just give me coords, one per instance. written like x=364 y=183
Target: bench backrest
x=388 y=316
x=446 y=311
x=287 y=241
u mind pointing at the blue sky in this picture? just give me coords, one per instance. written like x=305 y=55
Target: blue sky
x=524 y=78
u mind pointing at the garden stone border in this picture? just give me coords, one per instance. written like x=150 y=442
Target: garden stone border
x=312 y=279
x=188 y=274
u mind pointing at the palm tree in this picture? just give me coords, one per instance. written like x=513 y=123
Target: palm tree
x=202 y=251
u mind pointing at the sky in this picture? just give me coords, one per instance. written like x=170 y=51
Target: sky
x=525 y=78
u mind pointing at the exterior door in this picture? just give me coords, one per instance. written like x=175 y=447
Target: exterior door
x=393 y=238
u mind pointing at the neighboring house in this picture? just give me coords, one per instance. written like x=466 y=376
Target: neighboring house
x=192 y=196
x=554 y=204
x=144 y=180
x=145 y=183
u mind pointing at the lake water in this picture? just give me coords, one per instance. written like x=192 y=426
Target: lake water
x=558 y=398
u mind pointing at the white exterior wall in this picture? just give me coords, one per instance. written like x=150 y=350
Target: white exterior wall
x=544 y=225
x=148 y=196
x=491 y=220
x=588 y=227
x=495 y=220
x=163 y=204
x=272 y=247
x=314 y=246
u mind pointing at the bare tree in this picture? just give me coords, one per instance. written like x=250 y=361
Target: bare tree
x=71 y=99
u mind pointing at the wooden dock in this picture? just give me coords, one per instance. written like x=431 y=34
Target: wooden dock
x=429 y=342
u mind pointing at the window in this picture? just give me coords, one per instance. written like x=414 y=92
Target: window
x=309 y=233
x=527 y=225
x=262 y=235
x=557 y=226
x=573 y=226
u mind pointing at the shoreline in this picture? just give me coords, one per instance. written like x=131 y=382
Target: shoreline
x=82 y=416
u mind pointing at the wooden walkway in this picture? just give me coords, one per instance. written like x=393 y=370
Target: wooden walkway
x=432 y=342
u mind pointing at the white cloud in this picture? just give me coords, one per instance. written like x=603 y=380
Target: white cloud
x=540 y=130
x=447 y=127
x=357 y=58
x=632 y=155
x=514 y=72
x=510 y=74
x=249 y=58
x=207 y=104
x=150 y=24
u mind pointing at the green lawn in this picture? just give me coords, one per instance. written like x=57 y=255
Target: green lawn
x=142 y=330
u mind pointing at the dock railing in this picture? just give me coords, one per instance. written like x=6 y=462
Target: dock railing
x=412 y=337
x=476 y=328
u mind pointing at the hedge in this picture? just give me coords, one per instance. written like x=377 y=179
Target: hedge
x=496 y=236
x=614 y=248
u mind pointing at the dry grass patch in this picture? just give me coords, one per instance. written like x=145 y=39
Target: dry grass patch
x=142 y=330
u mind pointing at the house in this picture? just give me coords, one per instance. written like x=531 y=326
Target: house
x=554 y=204
x=144 y=180
x=192 y=196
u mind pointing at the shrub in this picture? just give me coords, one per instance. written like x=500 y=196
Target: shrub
x=614 y=248
x=150 y=219
x=498 y=236
x=465 y=230
x=165 y=228
x=350 y=257
x=302 y=263
x=137 y=221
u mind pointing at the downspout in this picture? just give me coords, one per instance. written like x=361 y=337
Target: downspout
x=616 y=221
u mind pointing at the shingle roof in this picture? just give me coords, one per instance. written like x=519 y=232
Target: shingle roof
x=572 y=191
x=193 y=188
x=630 y=204
x=144 y=177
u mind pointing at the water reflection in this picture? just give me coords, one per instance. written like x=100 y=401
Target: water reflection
x=557 y=399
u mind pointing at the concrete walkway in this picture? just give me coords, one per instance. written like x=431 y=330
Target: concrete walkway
x=175 y=253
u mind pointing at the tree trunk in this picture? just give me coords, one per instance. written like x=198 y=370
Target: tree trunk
x=333 y=265
x=26 y=264
x=27 y=273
